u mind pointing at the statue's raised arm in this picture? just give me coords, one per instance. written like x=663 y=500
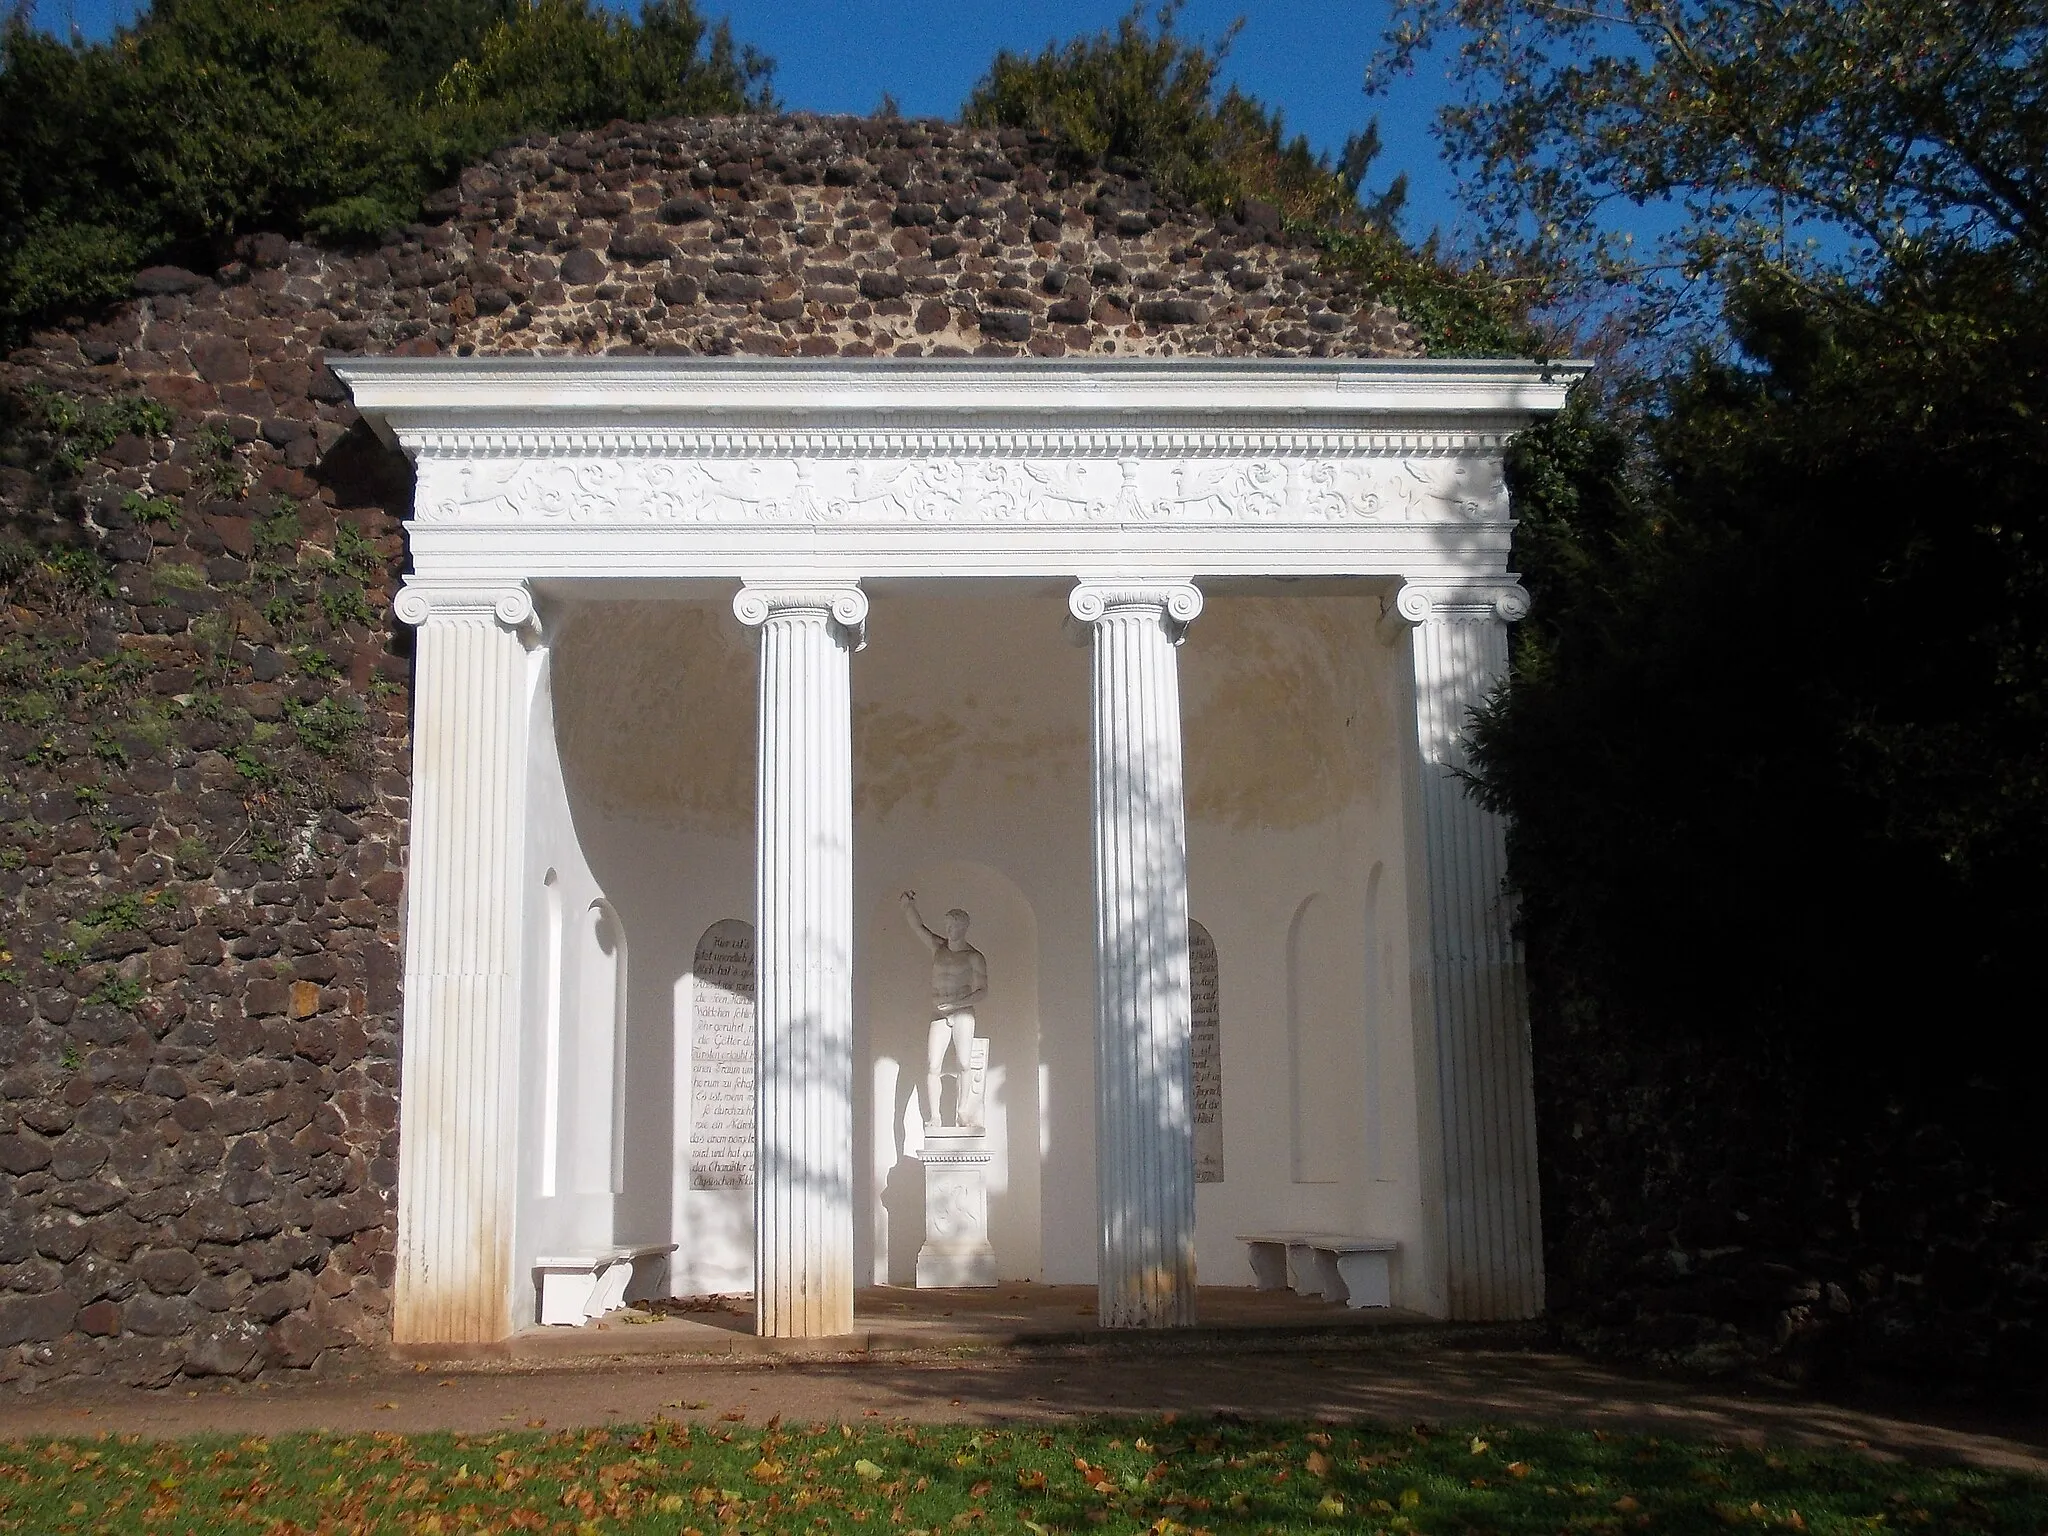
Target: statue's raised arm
x=908 y=901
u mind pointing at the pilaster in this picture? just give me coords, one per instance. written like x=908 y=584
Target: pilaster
x=803 y=1180
x=459 y=1067
x=1458 y=639
x=1144 y=1122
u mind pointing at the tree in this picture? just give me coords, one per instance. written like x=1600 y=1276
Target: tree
x=209 y=118
x=1147 y=98
x=1822 y=140
x=1773 y=739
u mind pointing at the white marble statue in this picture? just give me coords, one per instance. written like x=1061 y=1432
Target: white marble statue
x=959 y=981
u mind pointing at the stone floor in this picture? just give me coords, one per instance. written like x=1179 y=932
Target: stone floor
x=891 y=1320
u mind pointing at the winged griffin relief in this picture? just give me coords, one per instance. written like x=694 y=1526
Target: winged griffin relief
x=992 y=489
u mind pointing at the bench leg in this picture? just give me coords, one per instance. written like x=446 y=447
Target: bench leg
x=1366 y=1279
x=610 y=1290
x=1269 y=1265
x=565 y=1296
x=1329 y=1283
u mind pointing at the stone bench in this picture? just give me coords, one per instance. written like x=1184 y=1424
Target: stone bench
x=1357 y=1271
x=590 y=1282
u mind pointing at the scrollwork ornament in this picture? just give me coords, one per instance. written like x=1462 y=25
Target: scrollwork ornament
x=1506 y=602
x=756 y=603
x=512 y=606
x=1414 y=604
x=1175 y=604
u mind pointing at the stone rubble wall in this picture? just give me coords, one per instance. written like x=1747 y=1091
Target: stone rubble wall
x=200 y=868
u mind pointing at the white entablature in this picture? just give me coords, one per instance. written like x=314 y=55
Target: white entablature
x=539 y=469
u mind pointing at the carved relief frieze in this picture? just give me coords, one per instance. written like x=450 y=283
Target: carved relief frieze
x=985 y=488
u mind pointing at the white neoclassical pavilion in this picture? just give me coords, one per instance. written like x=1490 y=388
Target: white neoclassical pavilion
x=1112 y=502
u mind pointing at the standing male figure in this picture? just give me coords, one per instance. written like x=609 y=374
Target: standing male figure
x=959 y=981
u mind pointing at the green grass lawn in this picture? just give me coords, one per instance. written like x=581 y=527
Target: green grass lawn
x=1157 y=1475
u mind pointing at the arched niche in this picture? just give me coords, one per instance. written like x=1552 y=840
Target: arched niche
x=895 y=985
x=1324 y=1036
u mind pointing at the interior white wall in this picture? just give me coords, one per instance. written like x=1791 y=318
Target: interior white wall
x=567 y=1025
x=971 y=787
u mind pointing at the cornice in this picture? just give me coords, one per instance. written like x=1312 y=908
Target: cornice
x=414 y=396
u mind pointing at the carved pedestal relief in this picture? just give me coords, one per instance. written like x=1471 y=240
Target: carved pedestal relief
x=722 y=1058
x=1205 y=1047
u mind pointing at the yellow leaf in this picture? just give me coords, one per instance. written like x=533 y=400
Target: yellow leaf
x=1330 y=1505
x=1479 y=1446
x=1411 y=1498
x=766 y=1471
x=868 y=1470
x=1031 y=1482
x=672 y=1503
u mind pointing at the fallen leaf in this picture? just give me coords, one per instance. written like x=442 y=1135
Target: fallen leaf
x=1330 y=1505
x=1479 y=1446
x=1626 y=1504
x=1411 y=1498
x=1518 y=1469
x=1318 y=1464
x=868 y=1470
x=1031 y=1482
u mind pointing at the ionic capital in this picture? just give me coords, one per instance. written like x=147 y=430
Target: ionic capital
x=846 y=606
x=1490 y=602
x=511 y=605
x=1175 y=604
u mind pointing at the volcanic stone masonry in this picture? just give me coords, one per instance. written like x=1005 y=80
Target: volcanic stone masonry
x=204 y=706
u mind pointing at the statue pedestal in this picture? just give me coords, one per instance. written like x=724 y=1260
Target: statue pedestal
x=956 y=1250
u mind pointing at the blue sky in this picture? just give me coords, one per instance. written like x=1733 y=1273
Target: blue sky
x=1306 y=58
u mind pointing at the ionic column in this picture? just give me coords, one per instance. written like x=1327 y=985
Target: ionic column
x=1144 y=1125
x=803 y=1012
x=458 y=1128
x=1493 y=1232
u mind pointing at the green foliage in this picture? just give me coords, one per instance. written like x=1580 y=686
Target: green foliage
x=1776 y=744
x=330 y=727
x=219 y=461
x=1143 y=101
x=175 y=573
x=1146 y=99
x=118 y=990
x=1807 y=137
x=79 y=430
x=205 y=119
x=561 y=62
x=150 y=511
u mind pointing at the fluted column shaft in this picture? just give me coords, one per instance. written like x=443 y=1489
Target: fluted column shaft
x=458 y=1141
x=1493 y=1229
x=1144 y=1122
x=803 y=1075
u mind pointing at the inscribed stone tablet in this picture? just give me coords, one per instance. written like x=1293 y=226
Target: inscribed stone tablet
x=722 y=1058
x=1206 y=1047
